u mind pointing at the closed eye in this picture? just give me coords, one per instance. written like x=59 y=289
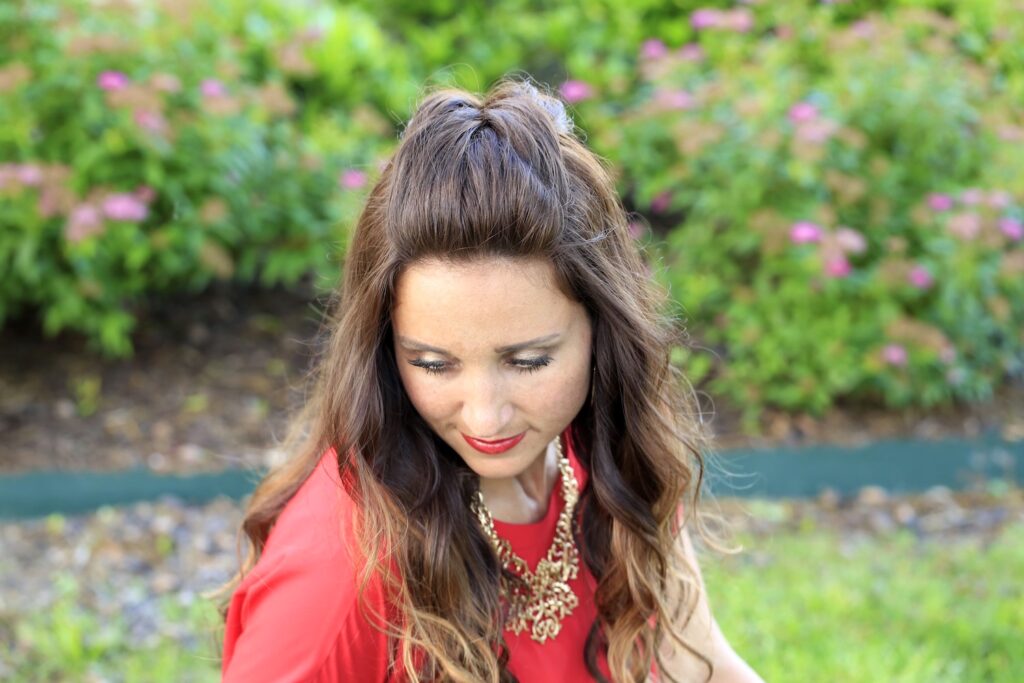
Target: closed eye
x=528 y=365
x=432 y=367
x=531 y=364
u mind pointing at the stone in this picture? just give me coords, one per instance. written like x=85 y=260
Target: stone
x=872 y=495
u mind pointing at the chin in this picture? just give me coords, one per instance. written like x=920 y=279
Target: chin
x=501 y=466
x=495 y=466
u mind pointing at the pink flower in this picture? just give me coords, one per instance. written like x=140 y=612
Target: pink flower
x=661 y=202
x=151 y=121
x=84 y=220
x=124 y=207
x=999 y=199
x=802 y=112
x=575 y=91
x=706 y=18
x=52 y=201
x=948 y=354
x=940 y=202
x=691 y=52
x=352 y=179
x=740 y=20
x=818 y=130
x=674 y=99
x=1011 y=133
x=653 y=49
x=1012 y=228
x=972 y=196
x=29 y=175
x=211 y=87
x=145 y=194
x=863 y=29
x=920 y=277
x=966 y=226
x=894 y=354
x=112 y=81
x=837 y=267
x=636 y=229
x=165 y=82
x=851 y=241
x=805 y=231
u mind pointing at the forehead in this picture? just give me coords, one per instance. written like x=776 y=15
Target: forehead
x=485 y=298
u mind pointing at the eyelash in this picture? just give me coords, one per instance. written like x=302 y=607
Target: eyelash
x=523 y=365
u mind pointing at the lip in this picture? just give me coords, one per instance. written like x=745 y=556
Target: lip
x=493 y=447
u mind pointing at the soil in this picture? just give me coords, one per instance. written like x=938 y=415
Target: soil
x=209 y=386
x=214 y=375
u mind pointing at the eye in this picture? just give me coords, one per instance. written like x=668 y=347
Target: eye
x=432 y=367
x=531 y=364
x=528 y=365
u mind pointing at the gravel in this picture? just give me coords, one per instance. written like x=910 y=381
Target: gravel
x=130 y=561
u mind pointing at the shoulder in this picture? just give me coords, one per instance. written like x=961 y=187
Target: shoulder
x=295 y=615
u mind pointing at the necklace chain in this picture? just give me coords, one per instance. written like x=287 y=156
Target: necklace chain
x=544 y=597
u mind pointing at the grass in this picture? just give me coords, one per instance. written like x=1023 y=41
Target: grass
x=69 y=643
x=810 y=607
x=804 y=606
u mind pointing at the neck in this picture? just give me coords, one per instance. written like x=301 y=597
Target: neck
x=523 y=499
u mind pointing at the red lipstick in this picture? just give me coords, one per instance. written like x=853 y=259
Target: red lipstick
x=493 y=447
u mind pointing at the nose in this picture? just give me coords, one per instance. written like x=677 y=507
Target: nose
x=487 y=410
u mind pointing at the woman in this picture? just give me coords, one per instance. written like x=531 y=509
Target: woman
x=493 y=465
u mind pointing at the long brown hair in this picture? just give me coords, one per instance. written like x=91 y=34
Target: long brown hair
x=477 y=177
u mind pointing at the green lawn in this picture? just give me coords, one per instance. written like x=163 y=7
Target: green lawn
x=799 y=607
x=802 y=607
x=67 y=643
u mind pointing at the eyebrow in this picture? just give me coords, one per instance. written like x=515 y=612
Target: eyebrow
x=413 y=345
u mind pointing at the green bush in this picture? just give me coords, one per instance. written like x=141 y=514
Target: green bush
x=835 y=191
x=835 y=205
x=143 y=153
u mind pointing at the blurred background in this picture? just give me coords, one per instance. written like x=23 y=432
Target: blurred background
x=832 y=192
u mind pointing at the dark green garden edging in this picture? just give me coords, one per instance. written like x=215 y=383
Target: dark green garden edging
x=42 y=493
x=897 y=466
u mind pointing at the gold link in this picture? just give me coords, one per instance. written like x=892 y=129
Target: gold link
x=548 y=597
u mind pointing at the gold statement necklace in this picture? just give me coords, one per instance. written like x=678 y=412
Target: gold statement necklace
x=545 y=598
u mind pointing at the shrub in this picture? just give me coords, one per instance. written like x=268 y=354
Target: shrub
x=834 y=193
x=141 y=153
x=836 y=206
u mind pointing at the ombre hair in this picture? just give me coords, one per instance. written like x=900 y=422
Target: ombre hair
x=503 y=176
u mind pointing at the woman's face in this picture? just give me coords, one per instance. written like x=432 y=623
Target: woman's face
x=492 y=349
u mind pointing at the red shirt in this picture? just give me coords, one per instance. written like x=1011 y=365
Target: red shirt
x=295 y=616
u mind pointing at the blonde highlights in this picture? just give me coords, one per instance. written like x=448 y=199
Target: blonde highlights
x=472 y=178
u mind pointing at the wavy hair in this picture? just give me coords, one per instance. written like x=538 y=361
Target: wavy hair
x=503 y=175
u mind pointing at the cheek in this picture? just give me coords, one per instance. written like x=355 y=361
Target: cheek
x=562 y=393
